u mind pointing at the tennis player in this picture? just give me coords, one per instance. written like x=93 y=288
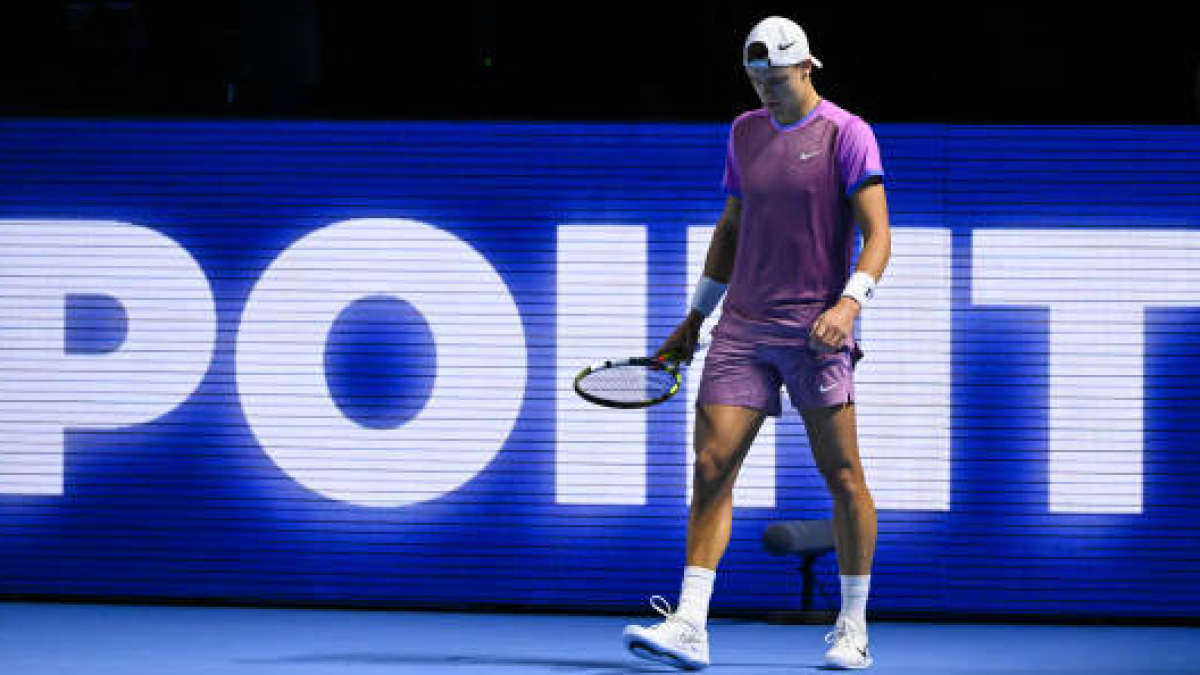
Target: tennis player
x=799 y=173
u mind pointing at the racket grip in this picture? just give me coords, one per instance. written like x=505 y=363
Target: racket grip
x=702 y=343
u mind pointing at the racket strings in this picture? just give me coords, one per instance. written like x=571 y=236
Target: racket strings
x=628 y=383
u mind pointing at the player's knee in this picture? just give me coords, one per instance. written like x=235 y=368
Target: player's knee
x=845 y=482
x=711 y=468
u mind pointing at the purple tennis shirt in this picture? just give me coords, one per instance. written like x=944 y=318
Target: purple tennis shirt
x=797 y=234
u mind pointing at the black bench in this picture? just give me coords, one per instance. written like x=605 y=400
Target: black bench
x=809 y=540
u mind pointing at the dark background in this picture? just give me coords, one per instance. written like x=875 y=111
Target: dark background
x=1005 y=63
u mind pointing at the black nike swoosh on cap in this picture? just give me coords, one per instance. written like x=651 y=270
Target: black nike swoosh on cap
x=787 y=46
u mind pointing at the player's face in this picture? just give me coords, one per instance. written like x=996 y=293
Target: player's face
x=778 y=86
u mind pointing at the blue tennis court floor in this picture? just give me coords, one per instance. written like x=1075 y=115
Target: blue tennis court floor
x=38 y=638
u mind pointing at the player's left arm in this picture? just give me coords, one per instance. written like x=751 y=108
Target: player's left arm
x=871 y=213
x=831 y=330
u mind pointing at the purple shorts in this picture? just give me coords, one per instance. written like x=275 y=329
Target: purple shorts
x=743 y=369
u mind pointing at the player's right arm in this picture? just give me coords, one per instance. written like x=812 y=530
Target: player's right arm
x=718 y=266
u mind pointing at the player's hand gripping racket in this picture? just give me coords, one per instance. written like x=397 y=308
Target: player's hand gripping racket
x=635 y=382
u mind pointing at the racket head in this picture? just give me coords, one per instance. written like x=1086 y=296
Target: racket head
x=636 y=382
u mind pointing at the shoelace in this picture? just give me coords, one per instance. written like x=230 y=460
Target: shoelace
x=837 y=634
x=663 y=607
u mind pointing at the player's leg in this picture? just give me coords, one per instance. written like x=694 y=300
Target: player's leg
x=833 y=436
x=821 y=387
x=723 y=436
x=737 y=391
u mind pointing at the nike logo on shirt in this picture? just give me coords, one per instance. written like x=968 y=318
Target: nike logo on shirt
x=824 y=388
x=805 y=156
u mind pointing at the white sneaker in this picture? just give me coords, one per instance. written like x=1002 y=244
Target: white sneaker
x=849 y=648
x=674 y=641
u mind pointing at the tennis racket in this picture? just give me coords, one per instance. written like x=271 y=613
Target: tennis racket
x=636 y=382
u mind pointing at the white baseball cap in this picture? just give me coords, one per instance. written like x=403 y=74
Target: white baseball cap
x=776 y=41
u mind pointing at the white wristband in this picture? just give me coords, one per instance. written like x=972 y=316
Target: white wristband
x=708 y=293
x=861 y=287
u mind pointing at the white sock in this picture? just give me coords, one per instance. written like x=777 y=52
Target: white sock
x=697 y=590
x=854 y=598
